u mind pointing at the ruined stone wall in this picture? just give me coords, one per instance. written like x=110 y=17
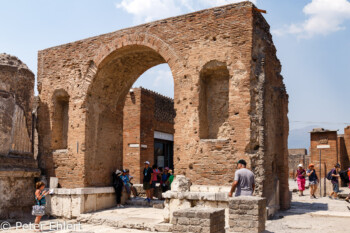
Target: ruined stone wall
x=329 y=157
x=17 y=165
x=342 y=152
x=269 y=122
x=347 y=144
x=97 y=74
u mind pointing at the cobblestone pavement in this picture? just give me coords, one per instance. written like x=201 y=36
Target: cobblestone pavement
x=322 y=215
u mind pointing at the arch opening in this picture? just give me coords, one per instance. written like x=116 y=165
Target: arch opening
x=108 y=121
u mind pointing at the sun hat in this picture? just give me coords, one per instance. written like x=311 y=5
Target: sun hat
x=118 y=172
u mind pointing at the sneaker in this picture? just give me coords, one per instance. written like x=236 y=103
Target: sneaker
x=314 y=196
x=330 y=197
x=121 y=206
x=347 y=200
x=348 y=207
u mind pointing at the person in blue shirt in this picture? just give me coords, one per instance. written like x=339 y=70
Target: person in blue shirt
x=126 y=181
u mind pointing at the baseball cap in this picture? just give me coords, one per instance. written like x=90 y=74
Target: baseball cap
x=300 y=165
x=147 y=162
x=242 y=161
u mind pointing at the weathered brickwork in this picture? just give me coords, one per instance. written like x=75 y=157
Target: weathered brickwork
x=144 y=112
x=199 y=220
x=296 y=157
x=17 y=165
x=97 y=73
x=247 y=214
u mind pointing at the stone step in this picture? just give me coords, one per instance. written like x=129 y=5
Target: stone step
x=142 y=202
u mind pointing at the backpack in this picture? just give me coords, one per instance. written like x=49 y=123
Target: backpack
x=329 y=175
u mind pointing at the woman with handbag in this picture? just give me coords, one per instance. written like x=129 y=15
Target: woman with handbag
x=39 y=208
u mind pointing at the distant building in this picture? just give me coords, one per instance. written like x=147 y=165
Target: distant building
x=148 y=131
x=328 y=148
x=296 y=157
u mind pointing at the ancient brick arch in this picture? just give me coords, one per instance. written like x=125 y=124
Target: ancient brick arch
x=114 y=75
x=97 y=72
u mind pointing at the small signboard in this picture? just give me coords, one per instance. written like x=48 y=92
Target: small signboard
x=323 y=146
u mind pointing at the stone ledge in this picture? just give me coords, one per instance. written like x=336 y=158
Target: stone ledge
x=19 y=172
x=204 y=196
x=82 y=191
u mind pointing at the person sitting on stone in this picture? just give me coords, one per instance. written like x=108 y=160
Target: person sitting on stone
x=125 y=179
x=165 y=180
x=244 y=182
x=118 y=186
x=133 y=189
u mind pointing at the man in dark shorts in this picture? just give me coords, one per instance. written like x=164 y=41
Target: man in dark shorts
x=147 y=180
x=335 y=181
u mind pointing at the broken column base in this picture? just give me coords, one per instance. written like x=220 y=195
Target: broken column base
x=17 y=190
x=70 y=203
x=184 y=195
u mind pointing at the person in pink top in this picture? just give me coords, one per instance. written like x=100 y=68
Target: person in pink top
x=155 y=175
x=300 y=177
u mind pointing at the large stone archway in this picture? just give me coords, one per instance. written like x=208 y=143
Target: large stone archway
x=225 y=54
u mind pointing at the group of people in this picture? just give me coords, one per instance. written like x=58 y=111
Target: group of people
x=333 y=175
x=152 y=176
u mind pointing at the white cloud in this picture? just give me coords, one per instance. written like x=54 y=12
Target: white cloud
x=150 y=10
x=162 y=77
x=323 y=18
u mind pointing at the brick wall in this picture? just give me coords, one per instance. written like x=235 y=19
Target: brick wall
x=98 y=72
x=144 y=112
x=329 y=157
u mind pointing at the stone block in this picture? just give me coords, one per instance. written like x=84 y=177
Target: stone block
x=53 y=182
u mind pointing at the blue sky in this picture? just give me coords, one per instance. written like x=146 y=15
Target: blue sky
x=312 y=38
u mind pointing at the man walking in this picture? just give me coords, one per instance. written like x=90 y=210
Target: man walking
x=335 y=181
x=147 y=181
x=244 y=183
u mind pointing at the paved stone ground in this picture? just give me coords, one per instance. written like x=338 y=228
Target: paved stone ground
x=306 y=215
x=312 y=215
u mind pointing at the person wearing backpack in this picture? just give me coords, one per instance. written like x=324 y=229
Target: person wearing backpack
x=335 y=181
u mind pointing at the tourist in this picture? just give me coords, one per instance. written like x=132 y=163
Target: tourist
x=125 y=179
x=133 y=189
x=155 y=176
x=244 y=182
x=165 y=180
x=171 y=178
x=347 y=199
x=335 y=181
x=40 y=201
x=147 y=180
x=313 y=180
x=118 y=186
x=300 y=178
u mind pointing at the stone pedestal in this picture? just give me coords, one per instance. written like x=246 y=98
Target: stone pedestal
x=70 y=203
x=199 y=219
